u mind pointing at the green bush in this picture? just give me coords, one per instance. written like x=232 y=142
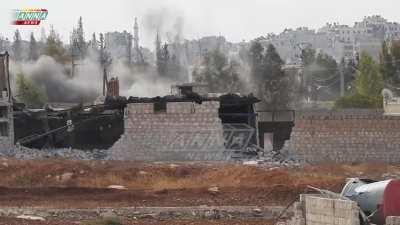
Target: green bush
x=359 y=101
x=104 y=221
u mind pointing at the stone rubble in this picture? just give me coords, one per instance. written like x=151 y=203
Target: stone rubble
x=20 y=152
x=281 y=158
x=161 y=213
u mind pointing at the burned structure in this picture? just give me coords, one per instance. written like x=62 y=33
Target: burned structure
x=6 y=115
x=188 y=126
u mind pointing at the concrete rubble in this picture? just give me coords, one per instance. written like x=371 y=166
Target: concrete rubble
x=20 y=152
x=195 y=212
x=281 y=158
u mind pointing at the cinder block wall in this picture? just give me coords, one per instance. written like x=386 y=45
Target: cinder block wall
x=346 y=136
x=185 y=131
x=318 y=210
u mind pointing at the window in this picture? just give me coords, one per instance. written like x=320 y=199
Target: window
x=160 y=107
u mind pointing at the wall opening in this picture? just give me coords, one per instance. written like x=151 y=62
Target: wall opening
x=4 y=129
x=275 y=128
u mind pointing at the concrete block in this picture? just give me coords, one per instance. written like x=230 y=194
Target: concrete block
x=392 y=220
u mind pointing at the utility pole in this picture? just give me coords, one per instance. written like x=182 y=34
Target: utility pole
x=104 y=81
x=341 y=82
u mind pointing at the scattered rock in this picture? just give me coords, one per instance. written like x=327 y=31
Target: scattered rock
x=173 y=166
x=66 y=176
x=213 y=190
x=142 y=173
x=250 y=163
x=27 y=217
x=257 y=212
x=108 y=214
x=118 y=187
x=4 y=164
x=21 y=152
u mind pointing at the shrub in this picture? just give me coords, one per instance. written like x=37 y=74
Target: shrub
x=359 y=101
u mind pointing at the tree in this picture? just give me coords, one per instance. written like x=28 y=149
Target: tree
x=17 y=46
x=387 y=66
x=43 y=37
x=348 y=68
x=81 y=38
x=368 y=86
x=269 y=80
x=105 y=56
x=220 y=74
x=369 y=80
x=33 y=49
x=55 y=48
x=308 y=56
x=320 y=75
x=162 y=60
x=94 y=43
x=78 y=43
x=256 y=57
x=129 y=48
x=29 y=93
x=3 y=44
x=275 y=90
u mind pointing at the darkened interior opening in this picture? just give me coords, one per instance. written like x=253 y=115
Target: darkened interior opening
x=160 y=107
x=275 y=127
x=281 y=132
x=238 y=110
x=186 y=90
x=3 y=129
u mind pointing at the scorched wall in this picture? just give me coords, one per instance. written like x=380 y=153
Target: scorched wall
x=183 y=131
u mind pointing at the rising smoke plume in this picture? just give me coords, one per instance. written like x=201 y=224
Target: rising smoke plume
x=54 y=78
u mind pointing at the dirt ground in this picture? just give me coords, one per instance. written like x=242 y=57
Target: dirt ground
x=79 y=184
x=11 y=221
x=84 y=184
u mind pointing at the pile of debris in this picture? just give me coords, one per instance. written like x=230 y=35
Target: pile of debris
x=281 y=158
x=20 y=152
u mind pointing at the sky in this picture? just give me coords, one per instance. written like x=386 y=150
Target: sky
x=237 y=20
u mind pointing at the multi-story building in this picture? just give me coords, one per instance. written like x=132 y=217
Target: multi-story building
x=339 y=41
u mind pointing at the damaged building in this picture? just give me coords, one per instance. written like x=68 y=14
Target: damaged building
x=187 y=121
x=187 y=126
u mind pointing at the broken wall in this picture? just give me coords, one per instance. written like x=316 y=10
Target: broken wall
x=181 y=131
x=317 y=210
x=6 y=114
x=346 y=136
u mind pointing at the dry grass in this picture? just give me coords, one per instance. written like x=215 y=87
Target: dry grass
x=157 y=177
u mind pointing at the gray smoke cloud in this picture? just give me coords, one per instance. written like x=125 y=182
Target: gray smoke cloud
x=169 y=23
x=86 y=85
x=54 y=79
